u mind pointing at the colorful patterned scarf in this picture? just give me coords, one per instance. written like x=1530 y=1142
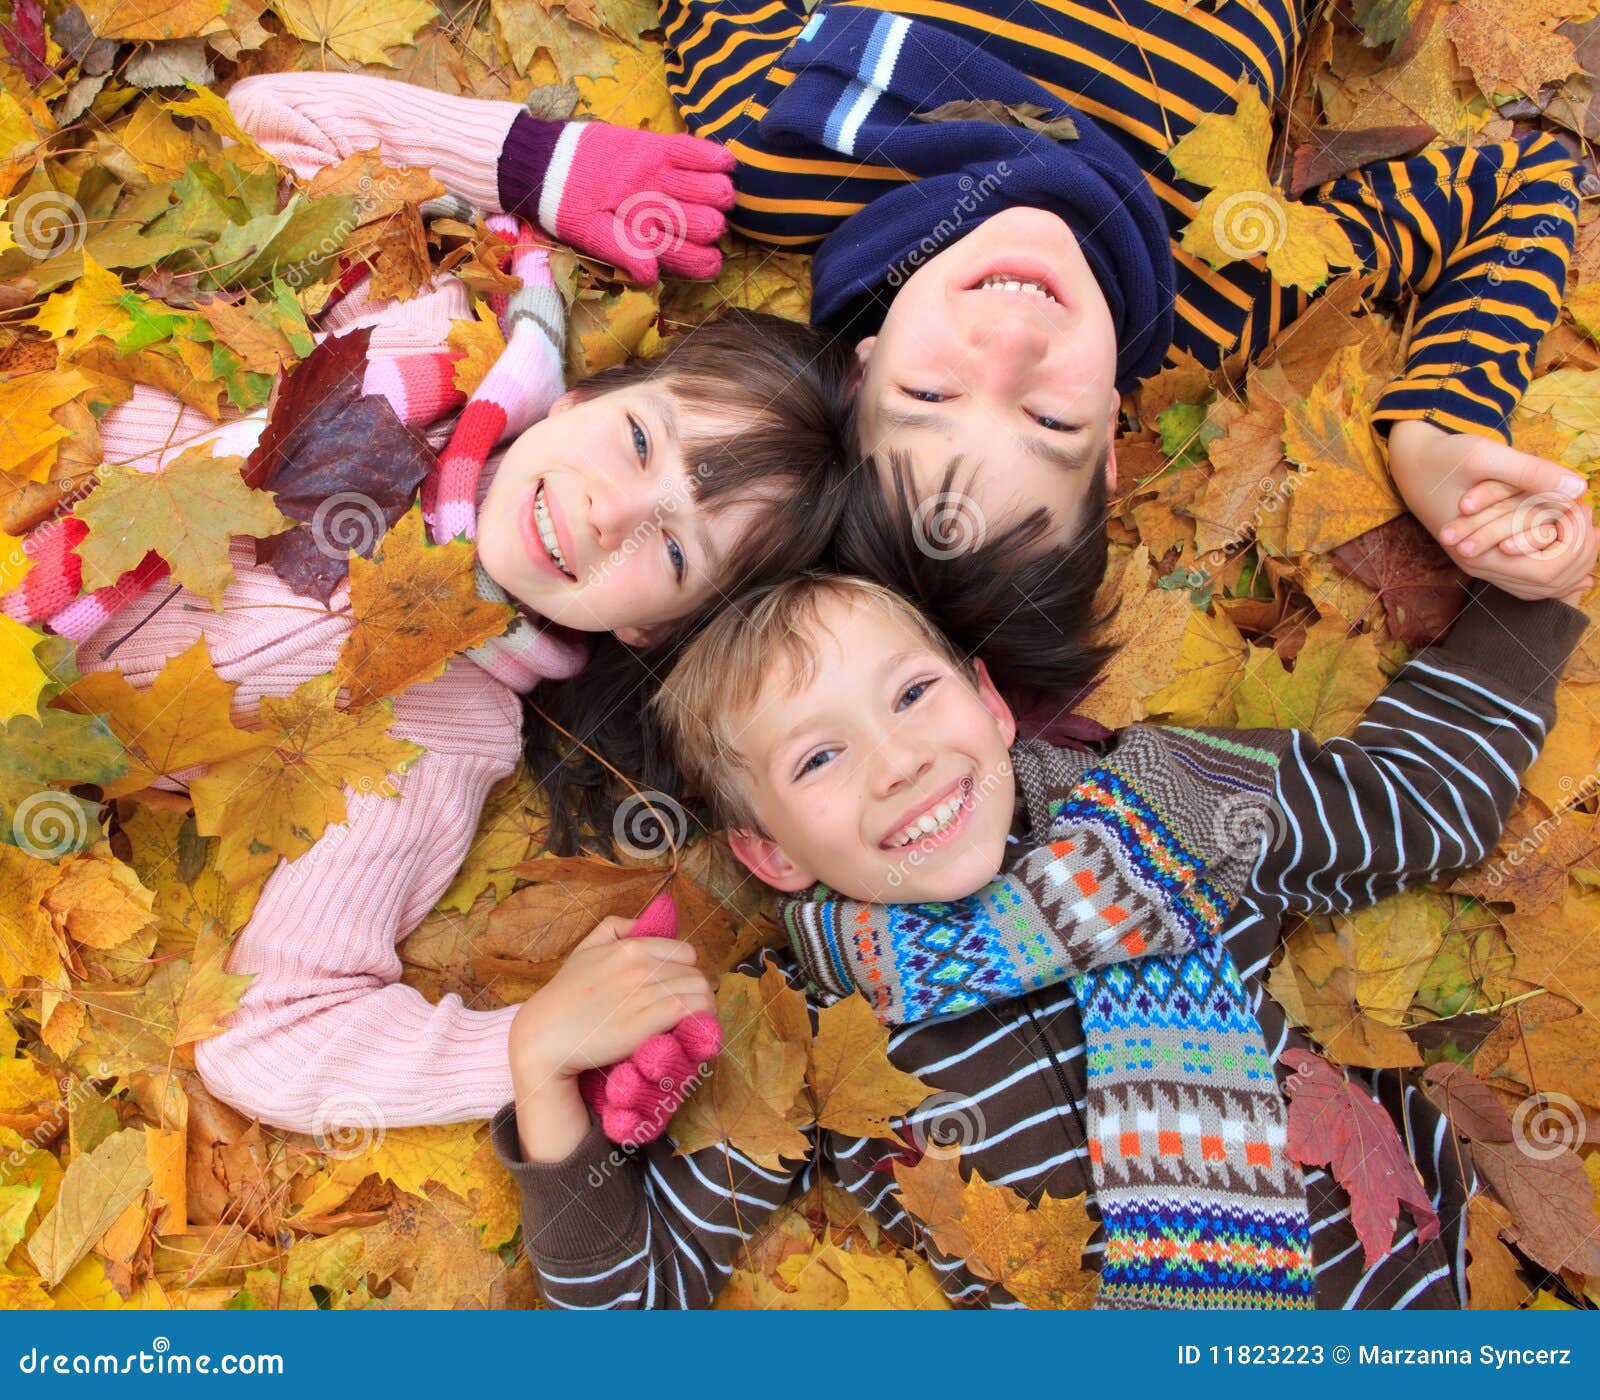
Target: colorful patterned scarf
x=1139 y=856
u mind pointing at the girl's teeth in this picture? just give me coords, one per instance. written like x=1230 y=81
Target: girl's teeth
x=547 y=533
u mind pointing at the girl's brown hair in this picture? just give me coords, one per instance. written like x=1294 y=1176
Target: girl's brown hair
x=785 y=386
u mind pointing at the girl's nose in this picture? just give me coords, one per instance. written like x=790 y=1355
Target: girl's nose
x=617 y=509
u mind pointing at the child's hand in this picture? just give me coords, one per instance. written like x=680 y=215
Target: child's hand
x=1471 y=493
x=611 y=994
x=646 y=201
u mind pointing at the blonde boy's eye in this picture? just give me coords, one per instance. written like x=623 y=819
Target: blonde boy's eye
x=912 y=693
x=812 y=762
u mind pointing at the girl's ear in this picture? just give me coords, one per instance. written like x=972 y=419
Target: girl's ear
x=995 y=704
x=767 y=861
x=640 y=637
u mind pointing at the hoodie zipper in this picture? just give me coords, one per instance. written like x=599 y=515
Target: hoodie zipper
x=1043 y=1037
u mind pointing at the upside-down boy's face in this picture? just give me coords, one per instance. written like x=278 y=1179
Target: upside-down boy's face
x=1000 y=350
x=885 y=774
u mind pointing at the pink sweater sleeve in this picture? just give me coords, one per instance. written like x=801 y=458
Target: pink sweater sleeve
x=310 y=120
x=326 y=1035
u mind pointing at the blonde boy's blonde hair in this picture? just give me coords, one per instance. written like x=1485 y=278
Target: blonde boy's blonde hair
x=724 y=670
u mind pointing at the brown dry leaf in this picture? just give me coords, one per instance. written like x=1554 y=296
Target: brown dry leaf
x=415 y=605
x=94 y=1192
x=1035 y=1254
x=1511 y=49
x=1493 y=1279
x=1148 y=633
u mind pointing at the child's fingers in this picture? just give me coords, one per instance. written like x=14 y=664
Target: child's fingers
x=1475 y=535
x=711 y=188
x=611 y=929
x=697 y=153
x=1485 y=493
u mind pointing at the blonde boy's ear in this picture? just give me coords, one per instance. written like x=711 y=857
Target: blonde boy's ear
x=995 y=704
x=766 y=860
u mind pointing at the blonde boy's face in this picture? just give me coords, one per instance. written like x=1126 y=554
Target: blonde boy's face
x=887 y=776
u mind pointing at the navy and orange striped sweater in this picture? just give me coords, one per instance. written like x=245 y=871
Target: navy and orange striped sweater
x=1482 y=234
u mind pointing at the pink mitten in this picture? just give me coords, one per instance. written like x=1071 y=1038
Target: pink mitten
x=646 y=201
x=636 y=1097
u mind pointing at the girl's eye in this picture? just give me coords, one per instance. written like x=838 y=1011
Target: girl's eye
x=675 y=557
x=814 y=762
x=1055 y=425
x=641 y=444
x=912 y=693
x=924 y=395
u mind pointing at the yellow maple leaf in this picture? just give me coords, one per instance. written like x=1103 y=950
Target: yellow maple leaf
x=278 y=799
x=1244 y=214
x=155 y=19
x=99 y=902
x=753 y=1095
x=186 y=512
x=854 y=1087
x=479 y=343
x=182 y=720
x=527 y=26
x=22 y=680
x=358 y=30
x=1335 y=678
x=93 y=307
x=29 y=433
x=28 y=946
x=1211 y=659
x=415 y=606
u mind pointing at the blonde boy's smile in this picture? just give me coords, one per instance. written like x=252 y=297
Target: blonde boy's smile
x=884 y=772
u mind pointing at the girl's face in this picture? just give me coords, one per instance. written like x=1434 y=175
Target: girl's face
x=1020 y=385
x=591 y=519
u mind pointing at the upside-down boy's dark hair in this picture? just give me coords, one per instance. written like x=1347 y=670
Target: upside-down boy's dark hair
x=785 y=386
x=1024 y=607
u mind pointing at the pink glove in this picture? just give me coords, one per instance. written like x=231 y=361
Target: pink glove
x=647 y=202
x=636 y=1097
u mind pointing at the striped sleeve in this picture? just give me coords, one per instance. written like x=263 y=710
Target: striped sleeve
x=1423 y=785
x=722 y=71
x=1484 y=235
x=640 y=1227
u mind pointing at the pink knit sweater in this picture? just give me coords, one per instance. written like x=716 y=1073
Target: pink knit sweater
x=326 y=1035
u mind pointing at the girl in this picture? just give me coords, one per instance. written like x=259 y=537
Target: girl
x=622 y=506
x=1005 y=287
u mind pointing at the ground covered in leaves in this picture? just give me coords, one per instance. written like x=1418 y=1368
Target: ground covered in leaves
x=1267 y=574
